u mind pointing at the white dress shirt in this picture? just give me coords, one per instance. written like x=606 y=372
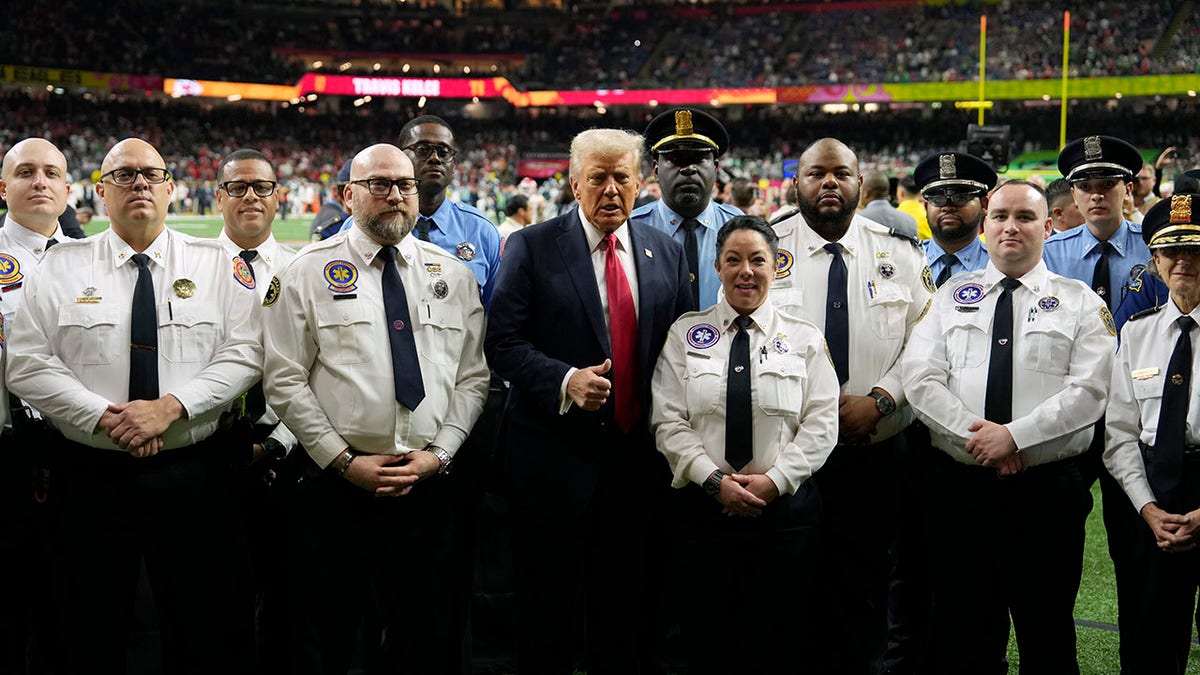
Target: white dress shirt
x=887 y=288
x=1136 y=397
x=794 y=396
x=272 y=258
x=21 y=249
x=328 y=355
x=1063 y=343
x=70 y=344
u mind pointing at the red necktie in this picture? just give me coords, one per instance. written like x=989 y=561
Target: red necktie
x=622 y=326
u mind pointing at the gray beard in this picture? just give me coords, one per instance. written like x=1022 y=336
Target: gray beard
x=390 y=230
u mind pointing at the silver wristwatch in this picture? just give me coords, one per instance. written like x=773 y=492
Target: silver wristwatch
x=444 y=458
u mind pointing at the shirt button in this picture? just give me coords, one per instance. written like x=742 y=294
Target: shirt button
x=345 y=317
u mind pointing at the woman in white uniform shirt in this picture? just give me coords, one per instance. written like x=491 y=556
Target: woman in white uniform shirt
x=1153 y=443
x=746 y=411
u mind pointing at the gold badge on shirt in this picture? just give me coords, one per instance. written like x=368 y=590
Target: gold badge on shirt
x=89 y=296
x=184 y=288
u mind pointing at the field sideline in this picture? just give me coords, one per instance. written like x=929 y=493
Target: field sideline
x=1095 y=608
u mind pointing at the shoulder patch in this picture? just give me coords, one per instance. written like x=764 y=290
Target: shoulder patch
x=1149 y=311
x=924 y=312
x=783 y=263
x=927 y=279
x=10 y=269
x=273 y=291
x=1107 y=317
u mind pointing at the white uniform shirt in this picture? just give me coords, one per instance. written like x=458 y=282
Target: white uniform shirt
x=328 y=355
x=1136 y=397
x=1063 y=343
x=887 y=287
x=272 y=258
x=70 y=344
x=21 y=250
x=794 y=396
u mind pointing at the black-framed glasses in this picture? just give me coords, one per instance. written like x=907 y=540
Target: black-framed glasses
x=238 y=188
x=382 y=187
x=955 y=198
x=425 y=150
x=126 y=176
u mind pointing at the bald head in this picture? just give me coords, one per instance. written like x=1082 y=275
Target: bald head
x=33 y=181
x=131 y=147
x=380 y=154
x=830 y=147
x=828 y=186
x=137 y=211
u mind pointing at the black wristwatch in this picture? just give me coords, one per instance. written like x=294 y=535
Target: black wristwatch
x=883 y=403
x=273 y=450
x=712 y=484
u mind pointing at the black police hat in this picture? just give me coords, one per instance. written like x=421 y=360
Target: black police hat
x=953 y=172
x=1188 y=181
x=686 y=126
x=1099 y=157
x=1173 y=222
x=343 y=174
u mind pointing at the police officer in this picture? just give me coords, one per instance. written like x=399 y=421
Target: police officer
x=747 y=500
x=1153 y=446
x=136 y=342
x=375 y=361
x=865 y=286
x=1108 y=254
x=1009 y=370
x=33 y=182
x=332 y=215
x=247 y=201
x=954 y=186
x=686 y=145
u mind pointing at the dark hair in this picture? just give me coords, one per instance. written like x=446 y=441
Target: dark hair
x=515 y=203
x=1056 y=190
x=752 y=223
x=418 y=121
x=242 y=155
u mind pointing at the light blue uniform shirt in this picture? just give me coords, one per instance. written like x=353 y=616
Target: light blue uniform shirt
x=973 y=256
x=1074 y=254
x=658 y=215
x=465 y=233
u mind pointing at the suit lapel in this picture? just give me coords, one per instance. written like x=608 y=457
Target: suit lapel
x=572 y=244
x=648 y=285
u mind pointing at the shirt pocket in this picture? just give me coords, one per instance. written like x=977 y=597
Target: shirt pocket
x=967 y=340
x=704 y=380
x=443 y=328
x=90 y=335
x=344 y=331
x=188 y=334
x=780 y=385
x=1148 y=389
x=788 y=297
x=889 y=310
x=1046 y=344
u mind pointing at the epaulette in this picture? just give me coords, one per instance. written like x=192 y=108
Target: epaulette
x=905 y=236
x=1149 y=311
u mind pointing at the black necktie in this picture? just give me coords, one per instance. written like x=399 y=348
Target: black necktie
x=997 y=401
x=739 y=430
x=143 y=336
x=249 y=256
x=691 y=248
x=50 y=243
x=423 y=226
x=947 y=260
x=837 y=314
x=406 y=368
x=1100 y=279
x=1166 y=471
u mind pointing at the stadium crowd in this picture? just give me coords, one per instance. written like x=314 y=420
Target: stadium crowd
x=717 y=45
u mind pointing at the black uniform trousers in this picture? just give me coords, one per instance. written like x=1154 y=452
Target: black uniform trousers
x=1001 y=546
x=859 y=491
x=174 y=511
x=909 y=594
x=379 y=564
x=1166 y=611
x=749 y=585
x=610 y=556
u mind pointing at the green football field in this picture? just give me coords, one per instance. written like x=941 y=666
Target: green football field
x=1095 y=608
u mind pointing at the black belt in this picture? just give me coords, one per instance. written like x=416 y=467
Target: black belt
x=1191 y=453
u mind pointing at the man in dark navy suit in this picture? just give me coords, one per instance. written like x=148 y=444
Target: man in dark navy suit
x=579 y=314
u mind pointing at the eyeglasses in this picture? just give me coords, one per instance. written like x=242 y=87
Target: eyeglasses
x=238 y=188
x=956 y=198
x=424 y=150
x=1096 y=185
x=382 y=187
x=125 y=176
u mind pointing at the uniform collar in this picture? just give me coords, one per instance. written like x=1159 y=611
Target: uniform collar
x=1119 y=239
x=705 y=217
x=1035 y=279
x=122 y=252
x=814 y=243
x=266 y=250
x=724 y=314
x=34 y=242
x=444 y=214
x=368 y=249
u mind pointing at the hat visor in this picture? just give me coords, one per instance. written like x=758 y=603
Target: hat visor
x=1088 y=172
